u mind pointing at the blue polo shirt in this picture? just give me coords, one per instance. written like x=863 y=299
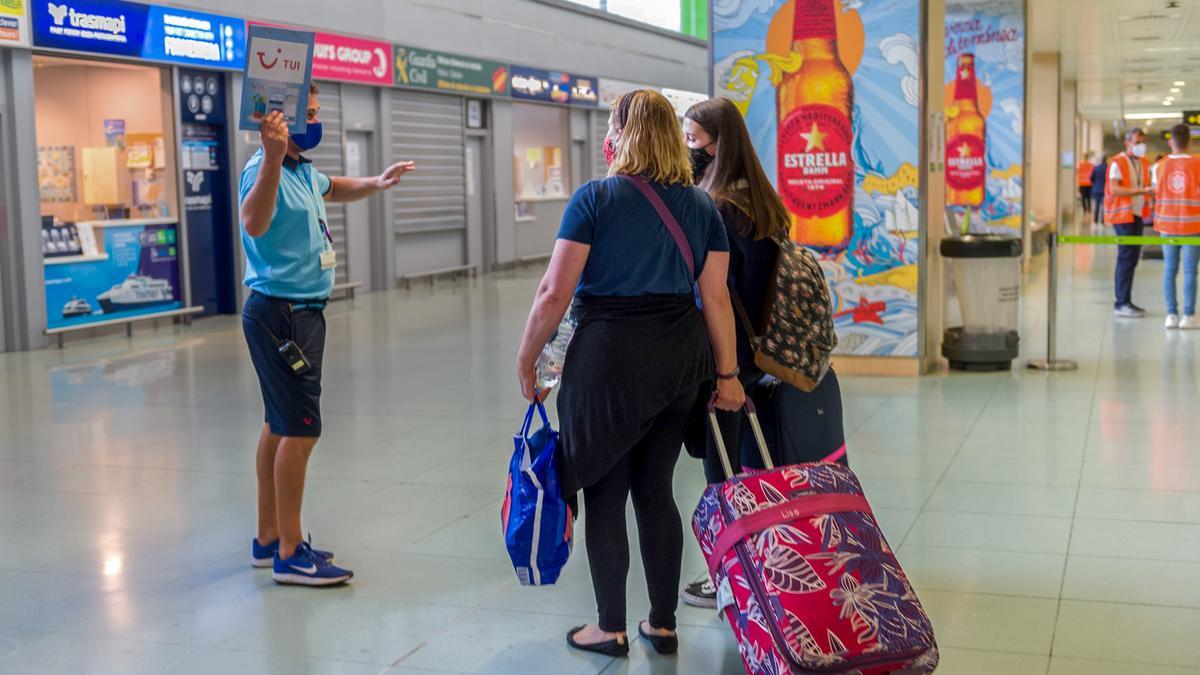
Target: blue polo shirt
x=286 y=261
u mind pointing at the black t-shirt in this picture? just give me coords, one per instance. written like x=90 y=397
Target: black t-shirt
x=751 y=266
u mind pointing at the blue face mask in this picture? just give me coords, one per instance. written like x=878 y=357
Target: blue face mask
x=311 y=137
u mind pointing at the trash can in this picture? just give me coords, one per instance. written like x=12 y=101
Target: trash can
x=987 y=273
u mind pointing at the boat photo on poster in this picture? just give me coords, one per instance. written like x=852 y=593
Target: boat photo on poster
x=830 y=92
x=137 y=274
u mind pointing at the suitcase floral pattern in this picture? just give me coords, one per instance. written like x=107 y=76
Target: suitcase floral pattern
x=819 y=594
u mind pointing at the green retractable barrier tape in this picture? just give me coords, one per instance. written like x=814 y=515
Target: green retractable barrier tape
x=1128 y=241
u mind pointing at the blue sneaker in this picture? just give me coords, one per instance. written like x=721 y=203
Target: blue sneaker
x=263 y=557
x=306 y=568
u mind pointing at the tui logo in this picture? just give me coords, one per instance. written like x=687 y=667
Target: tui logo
x=262 y=61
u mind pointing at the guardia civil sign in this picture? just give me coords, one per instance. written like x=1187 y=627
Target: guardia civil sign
x=429 y=69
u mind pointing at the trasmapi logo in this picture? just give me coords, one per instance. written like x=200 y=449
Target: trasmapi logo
x=84 y=25
x=195 y=180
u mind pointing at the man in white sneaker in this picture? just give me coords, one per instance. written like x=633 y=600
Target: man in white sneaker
x=1177 y=214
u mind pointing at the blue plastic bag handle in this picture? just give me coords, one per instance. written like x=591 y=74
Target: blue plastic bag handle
x=541 y=408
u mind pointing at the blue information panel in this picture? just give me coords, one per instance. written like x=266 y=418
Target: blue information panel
x=150 y=32
x=553 y=87
x=539 y=85
x=183 y=36
x=104 y=26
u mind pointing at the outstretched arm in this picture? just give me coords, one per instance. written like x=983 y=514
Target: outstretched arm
x=349 y=189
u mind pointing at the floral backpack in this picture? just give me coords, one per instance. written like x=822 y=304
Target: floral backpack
x=798 y=338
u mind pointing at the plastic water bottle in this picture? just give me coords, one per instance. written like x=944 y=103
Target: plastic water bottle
x=550 y=364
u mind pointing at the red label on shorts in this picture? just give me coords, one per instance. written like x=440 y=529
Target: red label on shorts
x=816 y=171
x=965 y=162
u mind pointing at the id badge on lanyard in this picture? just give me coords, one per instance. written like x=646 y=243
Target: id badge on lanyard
x=328 y=254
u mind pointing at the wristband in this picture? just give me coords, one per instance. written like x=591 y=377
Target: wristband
x=729 y=376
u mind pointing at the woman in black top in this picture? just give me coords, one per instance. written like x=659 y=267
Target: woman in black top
x=726 y=166
x=641 y=351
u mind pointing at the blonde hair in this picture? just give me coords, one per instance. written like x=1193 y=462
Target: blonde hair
x=652 y=143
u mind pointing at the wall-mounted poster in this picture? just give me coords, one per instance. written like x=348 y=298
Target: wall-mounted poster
x=985 y=121
x=831 y=94
x=56 y=173
x=137 y=273
x=114 y=133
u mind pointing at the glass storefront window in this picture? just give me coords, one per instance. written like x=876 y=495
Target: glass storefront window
x=540 y=159
x=108 y=181
x=105 y=140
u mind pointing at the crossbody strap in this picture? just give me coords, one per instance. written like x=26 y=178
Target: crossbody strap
x=681 y=240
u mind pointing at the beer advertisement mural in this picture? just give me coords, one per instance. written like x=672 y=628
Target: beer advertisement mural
x=831 y=95
x=985 y=121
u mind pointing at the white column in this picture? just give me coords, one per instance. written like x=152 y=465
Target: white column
x=933 y=183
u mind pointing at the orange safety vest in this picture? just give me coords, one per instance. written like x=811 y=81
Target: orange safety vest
x=1084 y=174
x=1119 y=210
x=1177 y=198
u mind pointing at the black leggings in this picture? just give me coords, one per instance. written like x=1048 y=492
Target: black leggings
x=646 y=472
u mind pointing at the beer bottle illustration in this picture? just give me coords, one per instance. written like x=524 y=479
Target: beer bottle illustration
x=966 y=150
x=816 y=166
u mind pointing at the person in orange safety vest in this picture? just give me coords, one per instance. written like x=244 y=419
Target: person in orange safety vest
x=1127 y=208
x=1083 y=177
x=1177 y=213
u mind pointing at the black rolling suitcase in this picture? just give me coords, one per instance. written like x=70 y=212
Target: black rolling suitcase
x=800 y=426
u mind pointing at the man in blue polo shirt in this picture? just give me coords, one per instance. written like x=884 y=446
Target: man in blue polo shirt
x=290 y=263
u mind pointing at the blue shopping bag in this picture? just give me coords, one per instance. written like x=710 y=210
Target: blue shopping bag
x=536 y=522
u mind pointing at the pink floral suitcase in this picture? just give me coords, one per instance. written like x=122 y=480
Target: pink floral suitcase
x=805 y=576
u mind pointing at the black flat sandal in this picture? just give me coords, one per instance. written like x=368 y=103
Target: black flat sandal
x=663 y=644
x=614 y=648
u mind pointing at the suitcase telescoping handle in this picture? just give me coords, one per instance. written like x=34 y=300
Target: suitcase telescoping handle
x=759 y=439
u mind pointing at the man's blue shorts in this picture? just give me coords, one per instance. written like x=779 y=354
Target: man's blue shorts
x=292 y=402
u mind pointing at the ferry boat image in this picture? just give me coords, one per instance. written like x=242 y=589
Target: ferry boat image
x=137 y=292
x=76 y=307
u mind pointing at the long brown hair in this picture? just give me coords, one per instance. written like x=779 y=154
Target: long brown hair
x=735 y=175
x=651 y=143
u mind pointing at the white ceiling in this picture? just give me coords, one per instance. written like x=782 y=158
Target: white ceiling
x=1124 y=54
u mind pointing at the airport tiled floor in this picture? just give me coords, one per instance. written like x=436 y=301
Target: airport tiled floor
x=1051 y=523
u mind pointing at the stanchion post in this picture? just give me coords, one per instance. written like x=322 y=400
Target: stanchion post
x=1052 y=362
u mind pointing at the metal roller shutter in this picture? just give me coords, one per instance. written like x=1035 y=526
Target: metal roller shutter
x=428 y=129
x=599 y=131
x=328 y=157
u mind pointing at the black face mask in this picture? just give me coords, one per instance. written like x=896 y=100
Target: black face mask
x=700 y=161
